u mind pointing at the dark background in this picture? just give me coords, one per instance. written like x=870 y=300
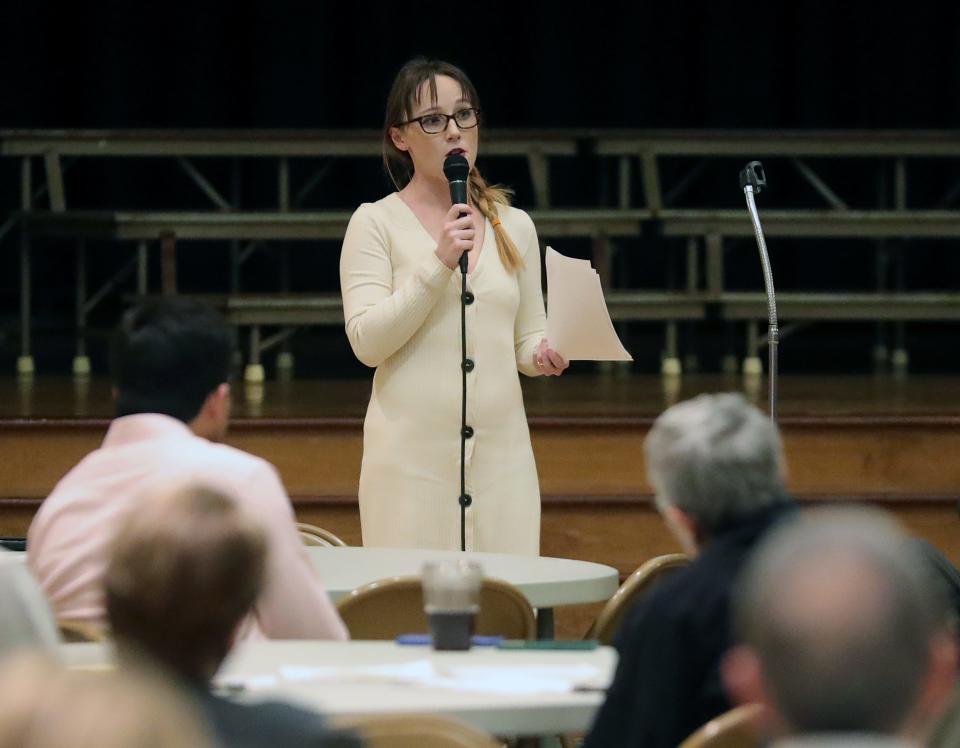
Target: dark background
x=668 y=64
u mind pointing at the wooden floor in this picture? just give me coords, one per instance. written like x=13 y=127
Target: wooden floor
x=890 y=442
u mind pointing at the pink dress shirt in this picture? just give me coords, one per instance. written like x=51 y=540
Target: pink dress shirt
x=69 y=537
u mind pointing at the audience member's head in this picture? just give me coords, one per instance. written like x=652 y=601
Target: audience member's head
x=47 y=706
x=172 y=356
x=713 y=461
x=843 y=629
x=185 y=570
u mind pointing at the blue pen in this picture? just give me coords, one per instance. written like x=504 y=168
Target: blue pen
x=424 y=640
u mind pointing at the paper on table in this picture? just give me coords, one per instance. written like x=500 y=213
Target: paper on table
x=578 y=323
x=524 y=678
x=405 y=673
x=510 y=679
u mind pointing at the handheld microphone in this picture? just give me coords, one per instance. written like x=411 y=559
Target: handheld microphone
x=457 y=171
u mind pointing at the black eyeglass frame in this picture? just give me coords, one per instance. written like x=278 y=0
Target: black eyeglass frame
x=446 y=124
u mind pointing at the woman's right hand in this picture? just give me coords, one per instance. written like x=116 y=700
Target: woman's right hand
x=457 y=236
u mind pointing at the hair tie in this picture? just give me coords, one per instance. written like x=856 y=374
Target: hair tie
x=495 y=222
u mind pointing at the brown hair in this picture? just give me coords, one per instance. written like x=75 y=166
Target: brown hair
x=185 y=570
x=399 y=166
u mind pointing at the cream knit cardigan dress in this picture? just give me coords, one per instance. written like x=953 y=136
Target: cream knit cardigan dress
x=402 y=314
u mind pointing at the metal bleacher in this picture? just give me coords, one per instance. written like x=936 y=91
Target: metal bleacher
x=634 y=158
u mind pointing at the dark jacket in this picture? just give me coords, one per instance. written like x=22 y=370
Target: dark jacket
x=268 y=724
x=671 y=643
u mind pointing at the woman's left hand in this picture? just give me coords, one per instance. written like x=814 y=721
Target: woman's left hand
x=547 y=361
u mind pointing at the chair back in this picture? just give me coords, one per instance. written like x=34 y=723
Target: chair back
x=737 y=728
x=73 y=632
x=25 y=617
x=642 y=580
x=317 y=536
x=417 y=731
x=386 y=608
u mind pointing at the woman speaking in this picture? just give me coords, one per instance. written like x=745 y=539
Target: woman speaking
x=402 y=308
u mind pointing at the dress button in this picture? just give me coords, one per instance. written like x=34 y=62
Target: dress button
x=467 y=432
x=468 y=297
x=466 y=500
x=468 y=364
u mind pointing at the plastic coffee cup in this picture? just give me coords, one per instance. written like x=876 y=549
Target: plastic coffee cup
x=451 y=600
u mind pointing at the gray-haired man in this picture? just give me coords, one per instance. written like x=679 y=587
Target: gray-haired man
x=845 y=635
x=716 y=464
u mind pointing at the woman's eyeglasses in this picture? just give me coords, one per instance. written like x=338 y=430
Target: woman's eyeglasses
x=432 y=124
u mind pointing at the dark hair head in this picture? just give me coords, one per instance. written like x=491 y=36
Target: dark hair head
x=169 y=355
x=184 y=571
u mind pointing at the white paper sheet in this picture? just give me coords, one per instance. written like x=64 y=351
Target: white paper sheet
x=578 y=323
x=511 y=679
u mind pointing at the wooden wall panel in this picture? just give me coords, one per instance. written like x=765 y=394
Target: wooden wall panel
x=895 y=460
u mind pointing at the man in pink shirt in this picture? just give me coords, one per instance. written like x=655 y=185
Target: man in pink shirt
x=172 y=362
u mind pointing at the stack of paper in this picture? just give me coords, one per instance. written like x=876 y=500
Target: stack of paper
x=578 y=323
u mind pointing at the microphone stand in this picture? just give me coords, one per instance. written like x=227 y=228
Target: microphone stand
x=752 y=181
x=457 y=171
x=465 y=365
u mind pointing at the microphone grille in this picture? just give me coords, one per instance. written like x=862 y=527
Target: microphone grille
x=456 y=168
